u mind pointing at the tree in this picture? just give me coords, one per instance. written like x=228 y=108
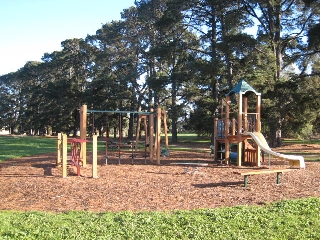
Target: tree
x=224 y=56
x=282 y=25
x=9 y=96
x=174 y=54
x=149 y=12
x=314 y=30
x=67 y=74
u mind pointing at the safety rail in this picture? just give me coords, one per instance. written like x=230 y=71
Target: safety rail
x=250 y=122
x=251 y=156
x=221 y=127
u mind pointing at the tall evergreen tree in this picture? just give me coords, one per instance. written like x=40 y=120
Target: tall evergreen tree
x=282 y=25
x=174 y=53
x=223 y=58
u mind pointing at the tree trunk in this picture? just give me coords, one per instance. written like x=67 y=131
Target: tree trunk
x=174 y=112
x=131 y=126
x=275 y=134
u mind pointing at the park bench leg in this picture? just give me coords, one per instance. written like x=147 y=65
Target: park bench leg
x=279 y=177
x=246 y=177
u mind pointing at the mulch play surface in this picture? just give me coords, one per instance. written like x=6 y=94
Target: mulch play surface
x=35 y=183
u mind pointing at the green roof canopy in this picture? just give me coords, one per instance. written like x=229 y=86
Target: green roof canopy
x=242 y=87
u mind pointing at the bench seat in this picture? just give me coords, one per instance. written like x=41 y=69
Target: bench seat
x=246 y=174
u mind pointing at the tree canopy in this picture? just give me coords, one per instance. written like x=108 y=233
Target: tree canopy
x=182 y=55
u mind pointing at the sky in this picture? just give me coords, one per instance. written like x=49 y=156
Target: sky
x=30 y=28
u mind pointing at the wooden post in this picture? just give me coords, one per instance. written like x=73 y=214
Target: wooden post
x=59 y=150
x=165 y=128
x=258 y=127
x=151 y=139
x=258 y=111
x=158 y=136
x=142 y=118
x=138 y=132
x=215 y=136
x=145 y=131
x=234 y=126
x=64 y=155
x=239 y=133
x=227 y=117
x=226 y=131
x=83 y=134
x=245 y=112
x=94 y=156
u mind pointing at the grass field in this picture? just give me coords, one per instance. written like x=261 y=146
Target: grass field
x=294 y=219
x=16 y=147
x=23 y=146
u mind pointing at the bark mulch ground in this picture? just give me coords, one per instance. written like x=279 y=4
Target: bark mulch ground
x=35 y=183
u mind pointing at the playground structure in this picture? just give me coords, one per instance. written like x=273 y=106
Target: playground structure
x=243 y=135
x=152 y=142
x=237 y=139
x=76 y=157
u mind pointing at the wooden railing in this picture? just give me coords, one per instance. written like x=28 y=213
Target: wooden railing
x=250 y=156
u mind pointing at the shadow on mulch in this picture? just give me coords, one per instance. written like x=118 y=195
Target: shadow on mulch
x=221 y=184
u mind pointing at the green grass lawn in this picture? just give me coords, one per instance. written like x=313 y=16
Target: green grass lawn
x=191 y=138
x=16 y=146
x=294 y=219
x=299 y=141
x=23 y=146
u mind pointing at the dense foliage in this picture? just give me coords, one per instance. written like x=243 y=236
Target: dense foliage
x=180 y=55
x=294 y=219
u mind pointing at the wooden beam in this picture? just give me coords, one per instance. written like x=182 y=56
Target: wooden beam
x=138 y=131
x=258 y=126
x=145 y=133
x=151 y=138
x=94 y=156
x=59 y=150
x=64 y=155
x=83 y=134
x=239 y=132
x=165 y=128
x=258 y=111
x=226 y=131
x=158 y=136
x=215 y=136
x=245 y=112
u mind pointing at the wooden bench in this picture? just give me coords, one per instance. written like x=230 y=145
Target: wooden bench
x=256 y=172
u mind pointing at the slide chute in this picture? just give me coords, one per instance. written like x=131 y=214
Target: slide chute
x=262 y=143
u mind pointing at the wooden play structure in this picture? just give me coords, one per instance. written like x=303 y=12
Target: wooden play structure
x=152 y=139
x=229 y=132
x=76 y=158
x=240 y=139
